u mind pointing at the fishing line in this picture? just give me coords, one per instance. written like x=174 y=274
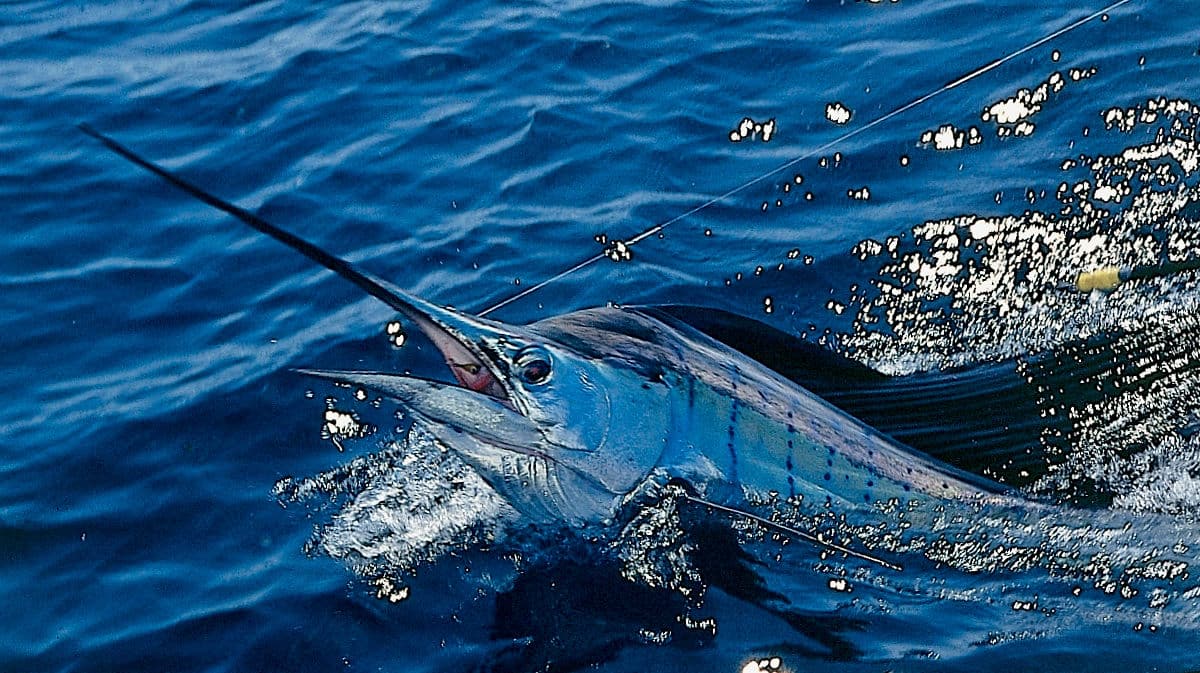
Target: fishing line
x=807 y=537
x=811 y=153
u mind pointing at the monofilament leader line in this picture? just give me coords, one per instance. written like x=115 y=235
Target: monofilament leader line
x=813 y=152
x=797 y=533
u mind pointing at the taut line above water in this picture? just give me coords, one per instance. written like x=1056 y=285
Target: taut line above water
x=813 y=152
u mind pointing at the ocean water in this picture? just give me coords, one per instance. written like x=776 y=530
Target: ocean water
x=171 y=499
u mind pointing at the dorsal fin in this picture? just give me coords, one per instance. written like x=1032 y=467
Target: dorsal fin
x=804 y=362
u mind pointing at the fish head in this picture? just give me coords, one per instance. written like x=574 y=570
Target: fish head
x=562 y=430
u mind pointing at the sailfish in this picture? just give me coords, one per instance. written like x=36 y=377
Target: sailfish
x=567 y=418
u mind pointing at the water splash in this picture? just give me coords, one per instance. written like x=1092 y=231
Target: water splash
x=411 y=502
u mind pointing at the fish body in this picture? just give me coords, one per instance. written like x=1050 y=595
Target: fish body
x=634 y=394
x=570 y=416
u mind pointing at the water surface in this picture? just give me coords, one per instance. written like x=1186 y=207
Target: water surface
x=467 y=151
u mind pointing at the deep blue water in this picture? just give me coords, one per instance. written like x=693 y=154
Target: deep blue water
x=467 y=151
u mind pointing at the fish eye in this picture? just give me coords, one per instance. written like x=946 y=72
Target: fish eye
x=533 y=366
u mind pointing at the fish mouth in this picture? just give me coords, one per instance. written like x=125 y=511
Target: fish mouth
x=480 y=403
x=455 y=411
x=467 y=344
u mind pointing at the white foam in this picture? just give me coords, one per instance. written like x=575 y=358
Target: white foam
x=838 y=113
x=982 y=228
x=950 y=137
x=1013 y=115
x=748 y=128
x=406 y=504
